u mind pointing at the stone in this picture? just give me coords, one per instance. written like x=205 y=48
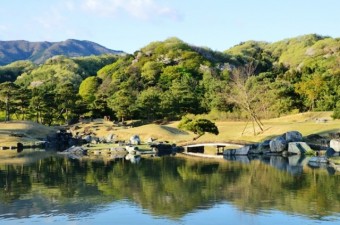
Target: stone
x=135 y=140
x=261 y=148
x=278 y=144
x=330 y=152
x=293 y=136
x=87 y=138
x=298 y=148
x=335 y=144
x=110 y=137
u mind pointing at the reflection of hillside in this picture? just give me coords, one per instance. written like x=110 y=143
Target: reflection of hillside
x=166 y=186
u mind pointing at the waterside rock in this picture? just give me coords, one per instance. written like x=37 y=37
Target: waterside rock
x=293 y=136
x=278 y=144
x=335 y=144
x=298 y=148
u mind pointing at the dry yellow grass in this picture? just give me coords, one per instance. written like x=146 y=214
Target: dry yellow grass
x=23 y=131
x=230 y=131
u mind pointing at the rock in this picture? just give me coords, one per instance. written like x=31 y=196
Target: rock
x=330 y=152
x=335 y=144
x=87 y=138
x=110 y=137
x=293 y=136
x=240 y=151
x=135 y=140
x=298 y=148
x=278 y=144
x=261 y=148
x=94 y=140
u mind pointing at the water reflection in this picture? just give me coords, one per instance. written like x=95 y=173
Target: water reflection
x=170 y=187
x=293 y=164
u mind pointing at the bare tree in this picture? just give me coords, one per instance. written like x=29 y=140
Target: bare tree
x=244 y=94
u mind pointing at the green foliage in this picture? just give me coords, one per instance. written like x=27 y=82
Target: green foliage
x=88 y=88
x=169 y=79
x=11 y=71
x=336 y=113
x=198 y=126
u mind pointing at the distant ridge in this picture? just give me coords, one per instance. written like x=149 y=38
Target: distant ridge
x=38 y=52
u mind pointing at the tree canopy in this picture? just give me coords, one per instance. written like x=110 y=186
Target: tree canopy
x=169 y=79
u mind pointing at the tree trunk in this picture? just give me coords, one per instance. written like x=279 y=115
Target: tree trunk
x=7 y=108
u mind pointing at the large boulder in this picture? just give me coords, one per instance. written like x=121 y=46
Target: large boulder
x=330 y=152
x=278 y=144
x=298 y=148
x=135 y=140
x=261 y=148
x=293 y=136
x=335 y=144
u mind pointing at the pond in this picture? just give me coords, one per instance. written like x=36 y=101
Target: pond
x=46 y=188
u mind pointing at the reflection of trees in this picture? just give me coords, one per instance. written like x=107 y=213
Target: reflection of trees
x=172 y=186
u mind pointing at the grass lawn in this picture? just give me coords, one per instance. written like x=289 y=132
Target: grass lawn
x=230 y=131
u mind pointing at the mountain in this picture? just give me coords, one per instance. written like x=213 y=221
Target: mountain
x=38 y=52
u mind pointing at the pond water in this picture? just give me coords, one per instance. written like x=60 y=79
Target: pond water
x=46 y=188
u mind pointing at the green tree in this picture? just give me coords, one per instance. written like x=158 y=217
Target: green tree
x=311 y=89
x=43 y=105
x=198 y=126
x=148 y=102
x=22 y=102
x=7 y=92
x=122 y=103
x=89 y=87
x=66 y=97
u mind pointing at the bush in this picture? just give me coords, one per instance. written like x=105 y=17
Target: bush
x=336 y=113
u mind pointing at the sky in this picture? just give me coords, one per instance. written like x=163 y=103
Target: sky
x=129 y=25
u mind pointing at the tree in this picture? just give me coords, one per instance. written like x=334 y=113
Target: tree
x=122 y=103
x=7 y=92
x=88 y=88
x=43 y=105
x=22 y=102
x=198 y=126
x=312 y=89
x=148 y=103
x=244 y=94
x=66 y=97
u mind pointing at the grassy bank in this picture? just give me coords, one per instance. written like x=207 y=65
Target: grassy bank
x=230 y=131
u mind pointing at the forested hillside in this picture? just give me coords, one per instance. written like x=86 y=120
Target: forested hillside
x=171 y=78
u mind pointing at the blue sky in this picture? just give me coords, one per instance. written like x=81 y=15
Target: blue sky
x=129 y=25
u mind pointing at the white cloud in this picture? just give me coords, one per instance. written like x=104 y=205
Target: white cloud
x=140 y=9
